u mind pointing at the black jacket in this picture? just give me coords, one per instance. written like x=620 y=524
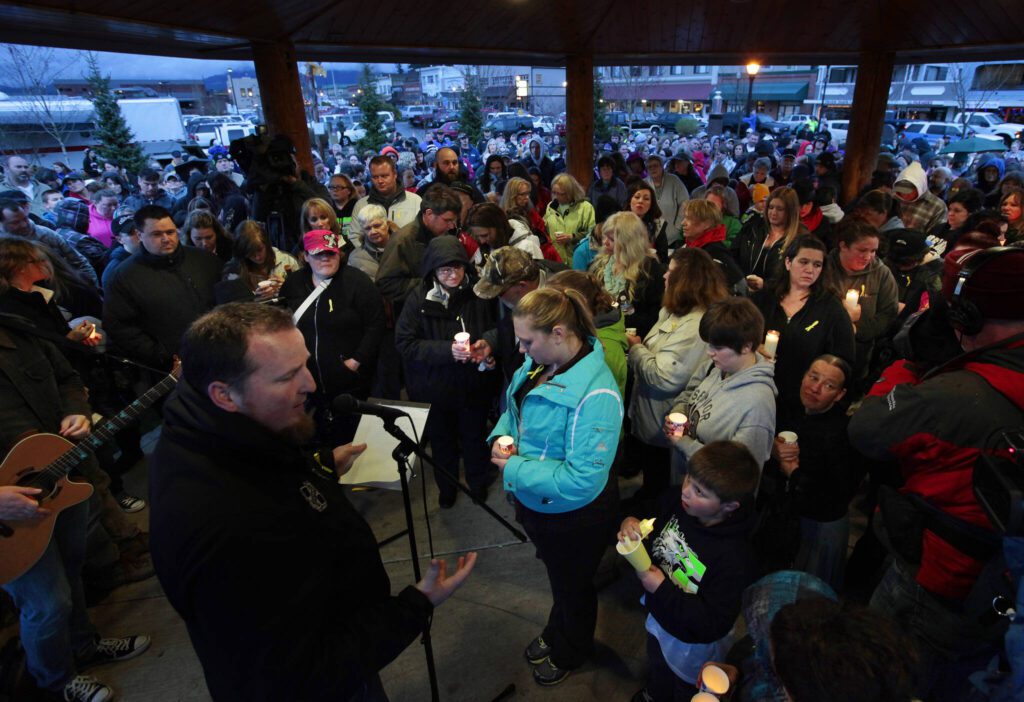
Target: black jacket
x=821 y=326
x=748 y=249
x=426 y=329
x=151 y=300
x=346 y=321
x=278 y=578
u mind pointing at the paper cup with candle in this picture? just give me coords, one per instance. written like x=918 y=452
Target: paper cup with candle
x=714 y=680
x=462 y=341
x=677 y=421
x=771 y=342
x=703 y=697
x=852 y=298
x=506 y=444
x=788 y=437
x=630 y=331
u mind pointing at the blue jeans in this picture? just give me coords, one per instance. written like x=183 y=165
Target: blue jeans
x=823 y=547
x=951 y=645
x=55 y=625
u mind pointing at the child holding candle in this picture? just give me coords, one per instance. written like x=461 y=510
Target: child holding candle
x=701 y=563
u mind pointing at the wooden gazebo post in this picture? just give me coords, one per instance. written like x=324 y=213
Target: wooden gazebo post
x=579 y=117
x=870 y=95
x=278 y=75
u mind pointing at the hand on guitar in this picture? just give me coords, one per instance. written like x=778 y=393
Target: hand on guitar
x=17 y=503
x=75 y=426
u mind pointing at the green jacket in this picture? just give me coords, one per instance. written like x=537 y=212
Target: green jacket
x=577 y=220
x=611 y=331
x=732 y=228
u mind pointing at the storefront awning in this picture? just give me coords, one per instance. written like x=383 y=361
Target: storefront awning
x=764 y=91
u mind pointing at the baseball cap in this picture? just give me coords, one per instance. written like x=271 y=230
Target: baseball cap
x=123 y=224
x=320 y=240
x=506 y=267
x=907 y=244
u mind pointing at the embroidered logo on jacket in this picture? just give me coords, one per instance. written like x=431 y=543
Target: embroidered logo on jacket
x=313 y=496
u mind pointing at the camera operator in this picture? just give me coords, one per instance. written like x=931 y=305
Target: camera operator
x=936 y=424
x=277 y=186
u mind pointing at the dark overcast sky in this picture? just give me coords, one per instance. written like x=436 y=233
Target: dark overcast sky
x=135 y=66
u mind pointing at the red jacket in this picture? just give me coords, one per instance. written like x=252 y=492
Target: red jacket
x=937 y=426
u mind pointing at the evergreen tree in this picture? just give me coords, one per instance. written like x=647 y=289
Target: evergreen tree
x=117 y=143
x=370 y=104
x=470 y=117
x=602 y=133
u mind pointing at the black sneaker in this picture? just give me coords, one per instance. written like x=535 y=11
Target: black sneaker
x=537 y=652
x=113 y=650
x=130 y=504
x=548 y=674
x=447 y=501
x=85 y=688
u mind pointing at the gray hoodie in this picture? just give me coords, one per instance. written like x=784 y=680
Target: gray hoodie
x=739 y=407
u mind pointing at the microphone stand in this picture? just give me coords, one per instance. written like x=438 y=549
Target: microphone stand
x=405 y=449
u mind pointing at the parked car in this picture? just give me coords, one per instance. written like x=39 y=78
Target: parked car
x=441 y=116
x=731 y=122
x=510 y=125
x=988 y=123
x=796 y=121
x=544 y=125
x=934 y=132
x=449 y=130
x=838 y=129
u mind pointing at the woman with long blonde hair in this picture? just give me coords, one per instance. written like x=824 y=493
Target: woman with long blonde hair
x=629 y=270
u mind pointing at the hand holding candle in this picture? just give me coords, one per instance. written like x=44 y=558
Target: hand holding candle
x=852 y=299
x=771 y=343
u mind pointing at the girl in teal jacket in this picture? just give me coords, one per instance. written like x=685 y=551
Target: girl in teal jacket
x=564 y=412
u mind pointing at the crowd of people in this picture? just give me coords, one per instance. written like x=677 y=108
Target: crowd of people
x=703 y=313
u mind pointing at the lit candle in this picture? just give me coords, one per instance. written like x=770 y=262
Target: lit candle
x=771 y=343
x=852 y=298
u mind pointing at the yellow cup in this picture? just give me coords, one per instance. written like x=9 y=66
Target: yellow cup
x=635 y=553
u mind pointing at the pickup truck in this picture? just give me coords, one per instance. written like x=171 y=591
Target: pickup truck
x=988 y=123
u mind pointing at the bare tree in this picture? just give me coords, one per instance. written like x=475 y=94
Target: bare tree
x=973 y=91
x=31 y=71
x=635 y=80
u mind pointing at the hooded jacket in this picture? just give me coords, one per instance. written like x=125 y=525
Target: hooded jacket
x=611 y=331
x=719 y=172
x=71 y=255
x=566 y=433
x=989 y=161
x=879 y=297
x=430 y=319
x=576 y=219
x=544 y=164
x=663 y=366
x=614 y=188
x=936 y=426
x=672 y=195
x=739 y=407
x=927 y=211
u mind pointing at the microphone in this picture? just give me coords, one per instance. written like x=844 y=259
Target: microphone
x=347 y=405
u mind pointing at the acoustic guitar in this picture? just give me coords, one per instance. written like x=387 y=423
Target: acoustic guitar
x=43 y=461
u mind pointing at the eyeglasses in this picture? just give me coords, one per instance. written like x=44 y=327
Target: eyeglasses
x=338 y=187
x=449 y=271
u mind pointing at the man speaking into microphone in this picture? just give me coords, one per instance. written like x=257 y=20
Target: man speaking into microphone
x=278 y=578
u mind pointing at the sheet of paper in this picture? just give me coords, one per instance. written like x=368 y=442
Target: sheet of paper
x=376 y=467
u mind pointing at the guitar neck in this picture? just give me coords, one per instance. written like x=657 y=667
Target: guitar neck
x=109 y=427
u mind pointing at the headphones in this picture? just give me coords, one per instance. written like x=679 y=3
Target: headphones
x=964 y=315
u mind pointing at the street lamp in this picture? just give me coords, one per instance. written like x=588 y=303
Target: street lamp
x=752 y=68
x=231 y=89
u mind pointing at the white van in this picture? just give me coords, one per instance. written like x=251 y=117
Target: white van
x=413 y=110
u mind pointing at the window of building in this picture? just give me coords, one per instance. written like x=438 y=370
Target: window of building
x=659 y=70
x=677 y=70
x=935 y=73
x=999 y=76
x=845 y=74
x=635 y=71
x=701 y=70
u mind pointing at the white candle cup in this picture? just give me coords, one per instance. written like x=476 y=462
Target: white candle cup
x=714 y=680
x=505 y=444
x=462 y=341
x=703 y=697
x=264 y=284
x=630 y=331
x=852 y=298
x=788 y=437
x=677 y=420
x=771 y=343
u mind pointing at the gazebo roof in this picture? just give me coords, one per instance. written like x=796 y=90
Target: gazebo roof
x=531 y=31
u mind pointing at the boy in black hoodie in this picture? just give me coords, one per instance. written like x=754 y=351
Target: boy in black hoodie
x=701 y=563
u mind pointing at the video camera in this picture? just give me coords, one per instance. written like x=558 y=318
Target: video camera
x=264 y=159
